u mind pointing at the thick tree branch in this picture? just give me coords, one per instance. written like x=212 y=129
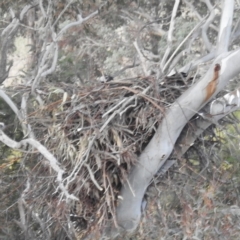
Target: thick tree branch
x=162 y=144
x=225 y=26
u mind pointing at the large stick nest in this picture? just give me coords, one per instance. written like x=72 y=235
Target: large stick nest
x=96 y=133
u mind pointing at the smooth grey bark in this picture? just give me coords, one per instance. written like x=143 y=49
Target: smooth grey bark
x=223 y=38
x=160 y=147
x=162 y=144
x=225 y=29
x=218 y=109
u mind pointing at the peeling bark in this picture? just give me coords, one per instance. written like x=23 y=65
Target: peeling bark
x=211 y=87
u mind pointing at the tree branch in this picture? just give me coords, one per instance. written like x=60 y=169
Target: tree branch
x=52 y=160
x=225 y=26
x=218 y=109
x=170 y=33
x=162 y=144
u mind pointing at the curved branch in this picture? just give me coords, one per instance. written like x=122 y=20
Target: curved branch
x=205 y=27
x=26 y=128
x=79 y=22
x=160 y=147
x=52 y=160
x=225 y=26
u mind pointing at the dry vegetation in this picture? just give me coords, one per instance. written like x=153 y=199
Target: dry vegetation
x=96 y=131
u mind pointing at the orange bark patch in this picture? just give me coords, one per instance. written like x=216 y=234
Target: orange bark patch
x=212 y=85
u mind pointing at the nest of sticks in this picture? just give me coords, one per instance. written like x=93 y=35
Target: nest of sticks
x=96 y=133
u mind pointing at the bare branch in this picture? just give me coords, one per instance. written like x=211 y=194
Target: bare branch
x=26 y=128
x=196 y=28
x=92 y=177
x=218 y=109
x=54 y=63
x=205 y=27
x=42 y=9
x=161 y=145
x=11 y=104
x=170 y=33
x=225 y=26
x=209 y=5
x=24 y=11
x=192 y=65
x=124 y=103
x=52 y=160
x=63 y=11
x=142 y=59
x=77 y=23
x=7 y=33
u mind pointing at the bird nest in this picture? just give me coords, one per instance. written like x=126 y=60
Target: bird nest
x=96 y=133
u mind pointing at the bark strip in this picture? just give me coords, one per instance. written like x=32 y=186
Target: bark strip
x=212 y=85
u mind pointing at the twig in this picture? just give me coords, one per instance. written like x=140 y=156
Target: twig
x=142 y=59
x=63 y=11
x=142 y=94
x=170 y=33
x=12 y=105
x=54 y=63
x=84 y=158
x=42 y=9
x=92 y=176
x=180 y=45
x=110 y=110
x=205 y=27
x=130 y=106
x=79 y=22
